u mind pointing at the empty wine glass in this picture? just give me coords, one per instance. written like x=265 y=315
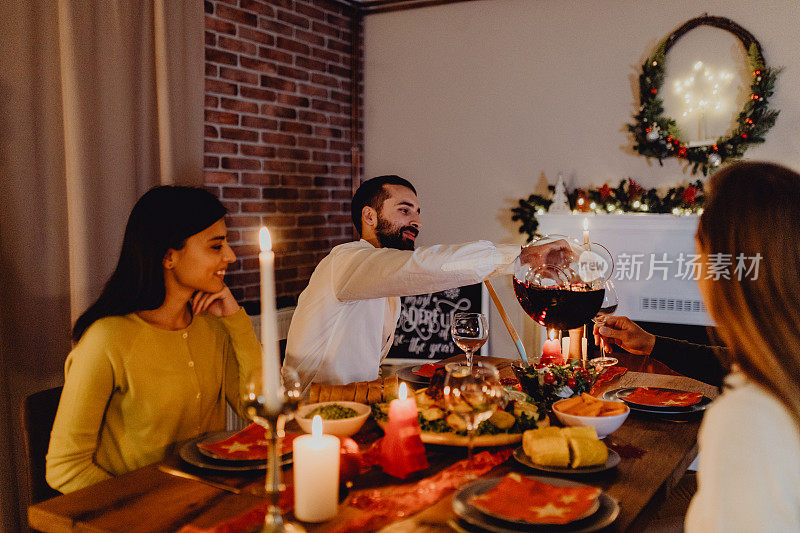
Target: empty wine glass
x=271 y=410
x=473 y=393
x=607 y=308
x=470 y=331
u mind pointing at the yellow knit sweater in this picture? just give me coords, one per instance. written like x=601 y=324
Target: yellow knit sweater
x=132 y=390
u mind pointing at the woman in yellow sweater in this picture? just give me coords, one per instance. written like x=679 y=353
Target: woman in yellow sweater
x=160 y=351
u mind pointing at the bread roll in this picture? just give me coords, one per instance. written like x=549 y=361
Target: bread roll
x=324 y=393
x=349 y=393
x=547 y=451
x=337 y=393
x=584 y=432
x=390 y=387
x=362 y=388
x=542 y=432
x=374 y=392
x=313 y=393
x=587 y=452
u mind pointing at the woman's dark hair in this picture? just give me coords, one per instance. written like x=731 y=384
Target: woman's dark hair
x=750 y=222
x=371 y=193
x=162 y=219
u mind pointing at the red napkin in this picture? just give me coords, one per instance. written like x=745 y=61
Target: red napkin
x=607 y=376
x=521 y=498
x=663 y=398
x=248 y=444
x=427 y=370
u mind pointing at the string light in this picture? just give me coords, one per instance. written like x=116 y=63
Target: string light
x=703 y=91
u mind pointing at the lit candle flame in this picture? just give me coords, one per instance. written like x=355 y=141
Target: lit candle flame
x=402 y=391
x=316 y=427
x=551 y=333
x=264 y=239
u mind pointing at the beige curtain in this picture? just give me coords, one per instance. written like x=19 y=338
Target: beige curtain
x=99 y=100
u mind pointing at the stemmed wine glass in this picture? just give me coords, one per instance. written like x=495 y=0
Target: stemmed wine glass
x=272 y=416
x=607 y=308
x=473 y=393
x=470 y=331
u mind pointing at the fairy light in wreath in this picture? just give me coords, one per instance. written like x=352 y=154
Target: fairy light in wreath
x=703 y=92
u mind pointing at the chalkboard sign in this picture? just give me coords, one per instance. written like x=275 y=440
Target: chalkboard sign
x=423 y=331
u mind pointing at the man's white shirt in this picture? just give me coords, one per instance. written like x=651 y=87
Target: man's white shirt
x=345 y=319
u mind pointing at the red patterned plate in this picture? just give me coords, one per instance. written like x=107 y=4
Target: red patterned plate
x=658 y=397
x=529 y=501
x=426 y=370
x=249 y=444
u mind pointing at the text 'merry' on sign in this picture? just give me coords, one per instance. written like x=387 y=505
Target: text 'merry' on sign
x=423 y=331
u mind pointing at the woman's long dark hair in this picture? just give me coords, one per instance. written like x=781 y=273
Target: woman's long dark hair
x=752 y=211
x=162 y=219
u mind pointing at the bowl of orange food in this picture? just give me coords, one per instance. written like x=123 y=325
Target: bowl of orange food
x=585 y=410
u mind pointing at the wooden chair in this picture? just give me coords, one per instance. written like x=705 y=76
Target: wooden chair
x=38 y=414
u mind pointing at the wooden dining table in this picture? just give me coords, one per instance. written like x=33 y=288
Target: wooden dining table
x=148 y=499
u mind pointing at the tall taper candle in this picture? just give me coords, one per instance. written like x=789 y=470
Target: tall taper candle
x=270 y=354
x=586 y=243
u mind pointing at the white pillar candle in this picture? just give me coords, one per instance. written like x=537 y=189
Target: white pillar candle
x=584 y=348
x=565 y=347
x=316 y=475
x=270 y=353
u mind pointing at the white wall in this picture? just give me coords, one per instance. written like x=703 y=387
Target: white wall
x=476 y=101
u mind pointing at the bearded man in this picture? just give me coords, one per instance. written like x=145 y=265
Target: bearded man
x=345 y=319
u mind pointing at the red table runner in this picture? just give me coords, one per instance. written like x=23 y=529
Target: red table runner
x=380 y=506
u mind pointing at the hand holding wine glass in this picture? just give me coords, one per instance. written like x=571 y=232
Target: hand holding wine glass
x=607 y=308
x=470 y=331
x=473 y=393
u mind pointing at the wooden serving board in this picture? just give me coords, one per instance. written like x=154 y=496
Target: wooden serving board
x=451 y=439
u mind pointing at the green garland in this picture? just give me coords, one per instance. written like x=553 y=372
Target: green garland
x=627 y=197
x=752 y=123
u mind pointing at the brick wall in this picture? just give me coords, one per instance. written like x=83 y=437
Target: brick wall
x=277 y=132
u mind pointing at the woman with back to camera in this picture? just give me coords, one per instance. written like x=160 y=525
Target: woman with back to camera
x=161 y=349
x=749 y=472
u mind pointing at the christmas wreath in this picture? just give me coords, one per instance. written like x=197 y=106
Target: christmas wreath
x=657 y=135
x=627 y=197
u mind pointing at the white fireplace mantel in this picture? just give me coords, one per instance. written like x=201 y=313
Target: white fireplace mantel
x=643 y=239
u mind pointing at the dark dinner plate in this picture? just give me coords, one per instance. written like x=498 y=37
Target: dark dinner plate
x=406 y=373
x=612 y=461
x=622 y=394
x=190 y=453
x=217 y=437
x=606 y=513
x=619 y=394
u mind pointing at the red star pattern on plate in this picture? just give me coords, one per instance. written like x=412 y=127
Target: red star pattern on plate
x=657 y=397
x=246 y=445
x=427 y=370
x=544 y=503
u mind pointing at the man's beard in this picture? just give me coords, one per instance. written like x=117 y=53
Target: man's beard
x=392 y=237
